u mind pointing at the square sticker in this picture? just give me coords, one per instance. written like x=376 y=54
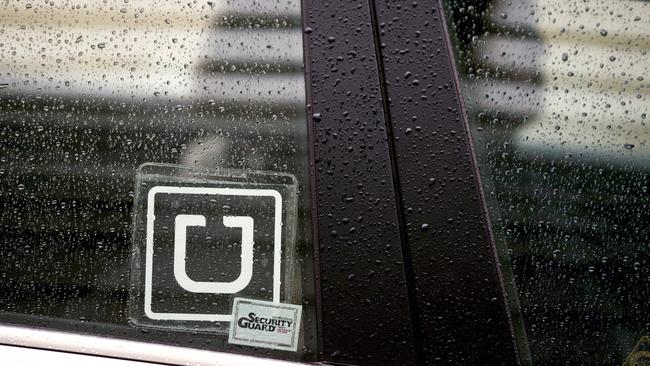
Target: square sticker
x=265 y=324
x=202 y=238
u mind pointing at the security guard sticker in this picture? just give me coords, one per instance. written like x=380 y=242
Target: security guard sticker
x=265 y=324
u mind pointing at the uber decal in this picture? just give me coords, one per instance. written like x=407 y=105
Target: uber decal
x=265 y=324
x=204 y=237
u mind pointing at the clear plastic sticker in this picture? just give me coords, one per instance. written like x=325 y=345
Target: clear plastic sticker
x=203 y=237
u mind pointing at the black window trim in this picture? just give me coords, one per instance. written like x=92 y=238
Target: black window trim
x=450 y=275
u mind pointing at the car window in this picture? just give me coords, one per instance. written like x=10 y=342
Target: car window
x=96 y=95
x=557 y=99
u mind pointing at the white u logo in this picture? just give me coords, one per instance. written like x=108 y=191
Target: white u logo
x=180 y=254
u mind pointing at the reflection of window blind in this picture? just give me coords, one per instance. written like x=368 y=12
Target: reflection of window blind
x=592 y=69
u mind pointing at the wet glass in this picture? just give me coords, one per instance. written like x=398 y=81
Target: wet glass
x=557 y=98
x=89 y=91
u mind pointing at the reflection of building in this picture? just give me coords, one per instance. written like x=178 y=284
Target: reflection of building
x=237 y=67
x=91 y=91
x=557 y=95
x=152 y=50
x=591 y=101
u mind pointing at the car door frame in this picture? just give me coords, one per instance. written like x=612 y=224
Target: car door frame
x=450 y=284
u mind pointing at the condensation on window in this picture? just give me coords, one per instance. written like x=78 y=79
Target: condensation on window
x=557 y=99
x=89 y=90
